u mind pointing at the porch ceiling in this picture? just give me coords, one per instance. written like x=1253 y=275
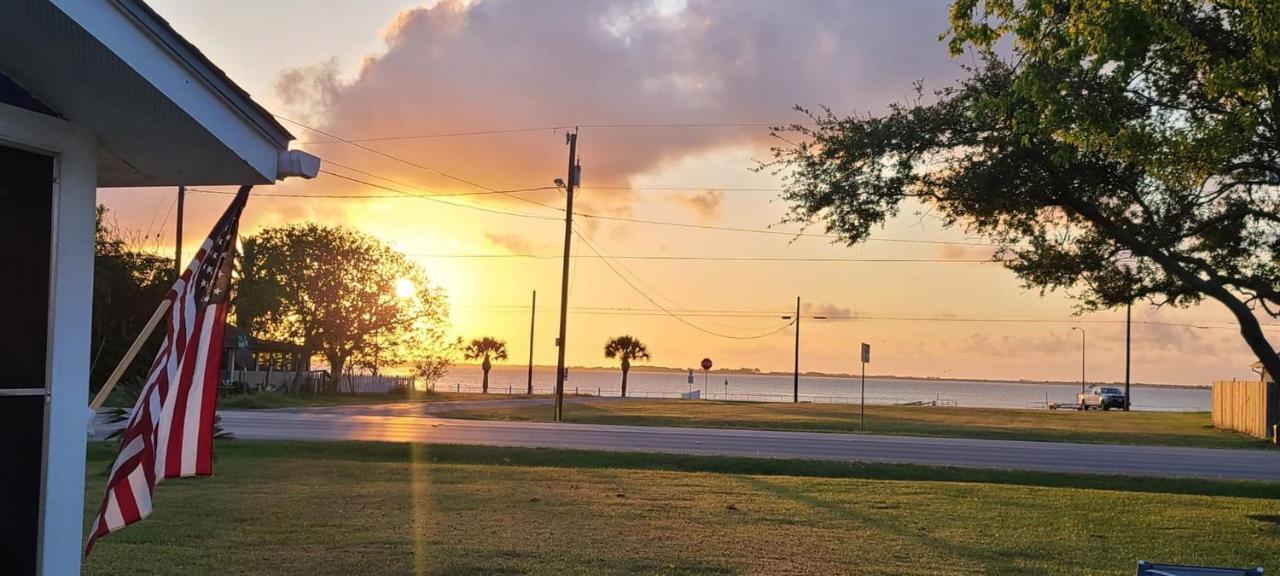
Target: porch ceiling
x=162 y=114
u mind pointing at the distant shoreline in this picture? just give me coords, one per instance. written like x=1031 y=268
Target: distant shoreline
x=755 y=372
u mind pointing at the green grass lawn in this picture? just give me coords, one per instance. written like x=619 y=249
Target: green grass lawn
x=372 y=509
x=281 y=400
x=120 y=398
x=1114 y=427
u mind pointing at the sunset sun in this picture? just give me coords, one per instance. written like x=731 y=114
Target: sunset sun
x=405 y=288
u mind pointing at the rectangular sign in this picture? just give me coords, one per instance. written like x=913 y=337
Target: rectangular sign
x=691 y=376
x=866 y=353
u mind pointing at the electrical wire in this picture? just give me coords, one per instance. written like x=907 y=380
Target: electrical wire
x=716 y=258
x=404 y=194
x=485 y=192
x=511 y=194
x=668 y=312
x=654 y=290
x=678 y=188
x=442 y=201
x=623 y=311
x=160 y=233
x=498 y=131
x=392 y=156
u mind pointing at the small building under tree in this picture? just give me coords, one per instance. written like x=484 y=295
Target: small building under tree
x=260 y=363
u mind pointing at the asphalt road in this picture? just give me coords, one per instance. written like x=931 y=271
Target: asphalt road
x=414 y=423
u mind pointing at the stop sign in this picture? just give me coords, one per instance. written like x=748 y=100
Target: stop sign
x=706 y=363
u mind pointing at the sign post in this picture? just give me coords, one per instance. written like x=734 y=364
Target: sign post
x=862 y=404
x=691 y=381
x=706 y=371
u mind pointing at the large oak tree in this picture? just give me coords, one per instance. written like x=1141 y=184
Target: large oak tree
x=337 y=292
x=1116 y=149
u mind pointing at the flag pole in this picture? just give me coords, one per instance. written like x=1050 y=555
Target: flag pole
x=129 y=355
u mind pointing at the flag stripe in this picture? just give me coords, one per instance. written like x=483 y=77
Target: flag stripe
x=209 y=399
x=193 y=397
x=170 y=432
x=112 y=519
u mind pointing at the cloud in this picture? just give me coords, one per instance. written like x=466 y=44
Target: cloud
x=706 y=204
x=309 y=91
x=513 y=243
x=503 y=64
x=961 y=252
x=824 y=309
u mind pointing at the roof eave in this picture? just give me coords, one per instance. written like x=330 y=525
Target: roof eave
x=203 y=68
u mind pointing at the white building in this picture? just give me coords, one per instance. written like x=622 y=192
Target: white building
x=93 y=93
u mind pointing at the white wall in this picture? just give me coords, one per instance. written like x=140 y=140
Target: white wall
x=67 y=372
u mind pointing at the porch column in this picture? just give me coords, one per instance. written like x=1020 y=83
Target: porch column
x=61 y=276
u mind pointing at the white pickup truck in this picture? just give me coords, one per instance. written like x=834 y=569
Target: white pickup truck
x=1100 y=397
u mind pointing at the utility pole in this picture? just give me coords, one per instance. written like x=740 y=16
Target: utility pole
x=1128 y=334
x=1082 y=349
x=177 y=249
x=533 y=313
x=862 y=403
x=574 y=172
x=795 y=381
x=795 y=377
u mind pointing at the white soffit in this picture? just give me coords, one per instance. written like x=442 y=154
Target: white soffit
x=162 y=113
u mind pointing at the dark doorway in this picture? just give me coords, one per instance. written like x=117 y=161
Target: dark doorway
x=26 y=229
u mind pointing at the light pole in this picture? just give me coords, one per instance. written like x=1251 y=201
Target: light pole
x=575 y=173
x=795 y=382
x=1128 y=338
x=533 y=314
x=795 y=375
x=1128 y=265
x=1081 y=356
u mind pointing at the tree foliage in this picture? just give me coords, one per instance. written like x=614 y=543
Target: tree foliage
x=1114 y=149
x=489 y=349
x=128 y=284
x=626 y=349
x=433 y=362
x=339 y=293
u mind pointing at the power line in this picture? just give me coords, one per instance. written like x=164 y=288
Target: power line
x=510 y=192
x=485 y=192
x=766 y=230
x=659 y=293
x=598 y=251
x=605 y=126
x=442 y=201
x=429 y=136
x=401 y=194
x=623 y=311
x=714 y=258
x=681 y=188
x=391 y=156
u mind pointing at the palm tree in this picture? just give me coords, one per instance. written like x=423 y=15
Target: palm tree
x=626 y=348
x=486 y=348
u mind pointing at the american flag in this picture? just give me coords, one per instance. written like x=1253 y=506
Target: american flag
x=170 y=432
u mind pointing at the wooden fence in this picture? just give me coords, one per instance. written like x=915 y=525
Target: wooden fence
x=1249 y=407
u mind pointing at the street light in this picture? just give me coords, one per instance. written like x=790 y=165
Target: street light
x=1128 y=265
x=1081 y=356
x=795 y=382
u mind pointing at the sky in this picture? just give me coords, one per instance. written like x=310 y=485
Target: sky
x=671 y=99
